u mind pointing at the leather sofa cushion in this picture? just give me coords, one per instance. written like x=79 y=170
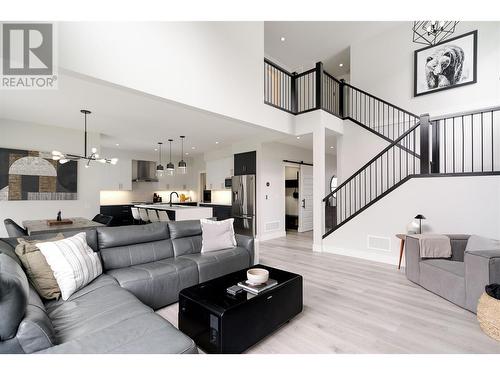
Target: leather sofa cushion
x=221 y=262
x=35 y=331
x=131 y=234
x=444 y=277
x=100 y=304
x=146 y=333
x=187 y=245
x=130 y=255
x=14 y=290
x=185 y=228
x=158 y=284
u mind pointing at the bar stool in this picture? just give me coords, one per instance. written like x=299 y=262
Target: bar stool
x=143 y=213
x=163 y=216
x=153 y=217
x=135 y=215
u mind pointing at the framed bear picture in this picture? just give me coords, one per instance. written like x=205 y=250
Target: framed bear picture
x=446 y=65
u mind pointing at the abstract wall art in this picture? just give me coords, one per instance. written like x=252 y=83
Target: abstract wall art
x=33 y=175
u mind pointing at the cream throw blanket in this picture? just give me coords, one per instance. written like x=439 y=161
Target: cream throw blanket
x=434 y=245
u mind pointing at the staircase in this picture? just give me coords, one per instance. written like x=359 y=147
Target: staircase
x=461 y=144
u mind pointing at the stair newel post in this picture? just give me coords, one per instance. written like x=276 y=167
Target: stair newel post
x=293 y=92
x=319 y=85
x=341 y=98
x=424 y=143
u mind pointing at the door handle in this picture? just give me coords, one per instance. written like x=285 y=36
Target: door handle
x=303 y=203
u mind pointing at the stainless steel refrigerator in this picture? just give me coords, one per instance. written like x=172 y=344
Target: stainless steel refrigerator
x=243 y=204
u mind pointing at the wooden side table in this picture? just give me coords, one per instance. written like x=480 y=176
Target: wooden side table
x=402 y=237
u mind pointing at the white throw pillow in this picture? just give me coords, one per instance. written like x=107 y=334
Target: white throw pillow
x=73 y=262
x=217 y=235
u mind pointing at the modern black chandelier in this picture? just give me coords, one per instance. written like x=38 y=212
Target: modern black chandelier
x=432 y=32
x=94 y=156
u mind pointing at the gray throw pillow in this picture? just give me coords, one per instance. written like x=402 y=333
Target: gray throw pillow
x=476 y=243
x=217 y=235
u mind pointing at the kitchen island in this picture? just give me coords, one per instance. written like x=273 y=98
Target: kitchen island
x=179 y=212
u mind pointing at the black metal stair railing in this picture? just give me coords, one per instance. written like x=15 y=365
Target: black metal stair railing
x=383 y=173
x=376 y=115
x=315 y=88
x=466 y=142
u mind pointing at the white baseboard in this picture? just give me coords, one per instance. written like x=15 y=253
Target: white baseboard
x=367 y=255
x=272 y=235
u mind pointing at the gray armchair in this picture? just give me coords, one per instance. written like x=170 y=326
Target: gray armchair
x=475 y=263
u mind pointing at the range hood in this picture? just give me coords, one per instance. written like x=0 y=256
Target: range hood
x=144 y=171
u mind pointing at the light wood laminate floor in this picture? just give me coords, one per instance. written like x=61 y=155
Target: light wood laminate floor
x=357 y=306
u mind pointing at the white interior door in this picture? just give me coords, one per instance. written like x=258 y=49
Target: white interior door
x=305 y=198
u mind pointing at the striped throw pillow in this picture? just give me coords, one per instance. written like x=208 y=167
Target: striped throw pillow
x=73 y=262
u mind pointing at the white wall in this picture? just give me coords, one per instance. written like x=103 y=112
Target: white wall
x=215 y=66
x=383 y=66
x=459 y=205
x=355 y=148
x=25 y=136
x=271 y=168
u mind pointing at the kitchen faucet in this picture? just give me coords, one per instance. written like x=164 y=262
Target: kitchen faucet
x=174 y=192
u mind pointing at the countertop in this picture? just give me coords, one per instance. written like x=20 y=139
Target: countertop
x=181 y=212
x=216 y=204
x=167 y=207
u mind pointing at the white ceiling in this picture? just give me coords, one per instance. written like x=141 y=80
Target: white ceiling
x=306 y=141
x=306 y=43
x=134 y=120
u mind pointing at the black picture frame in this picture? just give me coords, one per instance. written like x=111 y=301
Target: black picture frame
x=471 y=34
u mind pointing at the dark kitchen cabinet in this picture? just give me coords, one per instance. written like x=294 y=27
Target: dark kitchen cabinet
x=245 y=163
x=122 y=214
x=220 y=212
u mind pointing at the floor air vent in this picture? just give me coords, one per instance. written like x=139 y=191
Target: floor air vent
x=272 y=225
x=379 y=243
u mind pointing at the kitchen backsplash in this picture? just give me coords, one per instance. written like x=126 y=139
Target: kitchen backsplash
x=126 y=197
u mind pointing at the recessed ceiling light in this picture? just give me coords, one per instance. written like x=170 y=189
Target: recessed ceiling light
x=298 y=137
x=193 y=148
x=216 y=142
x=331 y=146
x=156 y=149
x=341 y=65
x=187 y=153
x=117 y=144
x=282 y=39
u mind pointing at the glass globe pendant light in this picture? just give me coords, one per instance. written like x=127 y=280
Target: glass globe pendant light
x=182 y=163
x=170 y=165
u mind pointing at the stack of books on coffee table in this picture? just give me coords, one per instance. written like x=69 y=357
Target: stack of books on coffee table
x=258 y=288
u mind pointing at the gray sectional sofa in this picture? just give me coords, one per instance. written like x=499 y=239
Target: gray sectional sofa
x=145 y=267
x=475 y=263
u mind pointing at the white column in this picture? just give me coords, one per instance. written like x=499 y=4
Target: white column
x=318 y=185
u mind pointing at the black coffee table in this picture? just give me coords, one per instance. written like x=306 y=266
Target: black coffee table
x=221 y=323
